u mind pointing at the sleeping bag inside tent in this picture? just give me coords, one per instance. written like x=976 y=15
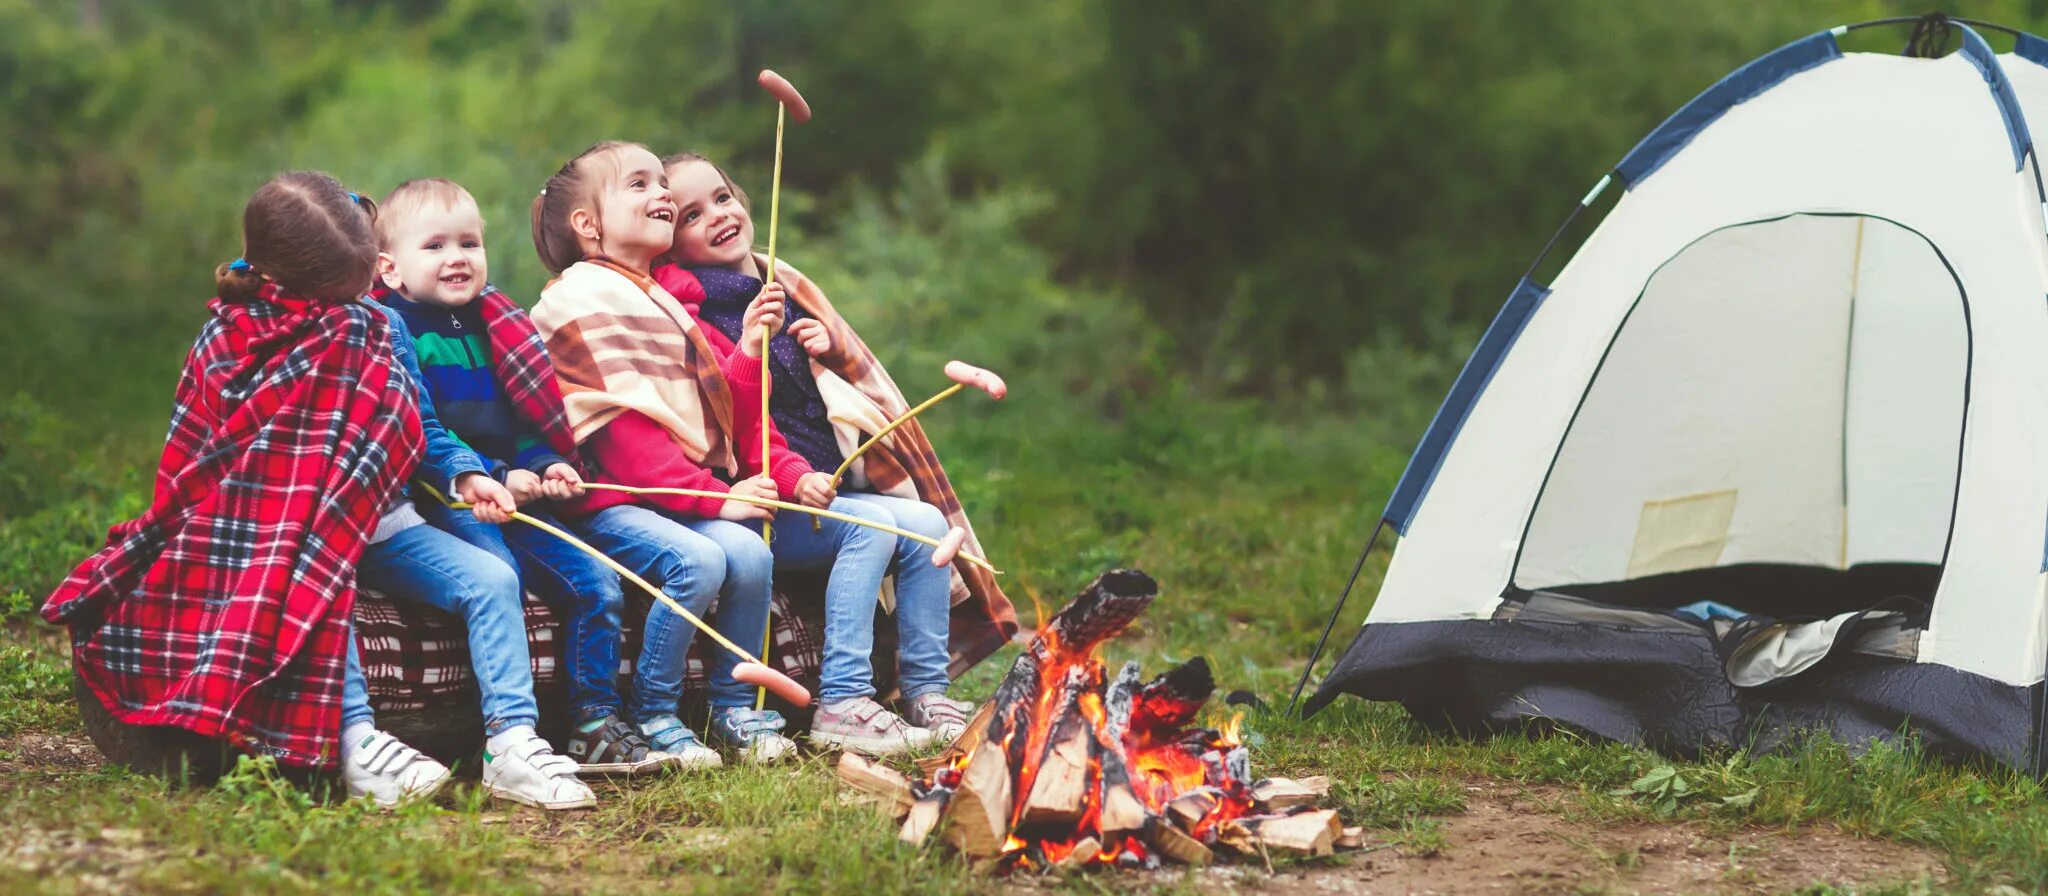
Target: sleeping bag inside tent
x=1770 y=453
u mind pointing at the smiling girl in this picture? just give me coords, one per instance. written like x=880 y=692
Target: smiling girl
x=827 y=392
x=650 y=404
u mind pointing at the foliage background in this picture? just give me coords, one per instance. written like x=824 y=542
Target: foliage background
x=1227 y=240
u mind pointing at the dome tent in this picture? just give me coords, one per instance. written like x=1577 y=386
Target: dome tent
x=1771 y=452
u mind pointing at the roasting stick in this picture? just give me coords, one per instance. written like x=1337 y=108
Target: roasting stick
x=750 y=670
x=963 y=375
x=787 y=100
x=945 y=549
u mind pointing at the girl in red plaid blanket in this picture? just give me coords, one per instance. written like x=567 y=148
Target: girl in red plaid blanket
x=225 y=608
x=826 y=391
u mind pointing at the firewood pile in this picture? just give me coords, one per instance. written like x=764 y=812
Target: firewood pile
x=1065 y=768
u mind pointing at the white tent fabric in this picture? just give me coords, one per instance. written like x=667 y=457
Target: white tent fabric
x=1800 y=342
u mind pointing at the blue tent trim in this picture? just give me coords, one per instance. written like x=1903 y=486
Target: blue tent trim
x=1450 y=417
x=2032 y=49
x=1979 y=54
x=1739 y=86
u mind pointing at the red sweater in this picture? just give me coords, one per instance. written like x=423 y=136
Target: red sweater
x=635 y=450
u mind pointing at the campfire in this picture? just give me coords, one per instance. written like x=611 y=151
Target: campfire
x=1066 y=768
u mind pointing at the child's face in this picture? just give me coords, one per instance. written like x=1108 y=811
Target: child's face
x=635 y=213
x=437 y=256
x=712 y=227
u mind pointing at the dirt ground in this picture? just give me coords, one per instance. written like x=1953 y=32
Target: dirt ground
x=1509 y=839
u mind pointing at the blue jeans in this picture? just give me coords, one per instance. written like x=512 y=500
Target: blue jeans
x=859 y=557
x=695 y=562
x=426 y=565
x=584 y=593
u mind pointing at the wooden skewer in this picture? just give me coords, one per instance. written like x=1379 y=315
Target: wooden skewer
x=799 y=508
x=762 y=675
x=877 y=437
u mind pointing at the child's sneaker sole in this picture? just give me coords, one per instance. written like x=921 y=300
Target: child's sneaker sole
x=879 y=746
x=652 y=765
x=423 y=795
x=551 y=806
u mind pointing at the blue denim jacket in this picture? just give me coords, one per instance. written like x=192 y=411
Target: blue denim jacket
x=446 y=456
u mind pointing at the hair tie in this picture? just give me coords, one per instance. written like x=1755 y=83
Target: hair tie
x=355 y=197
x=239 y=266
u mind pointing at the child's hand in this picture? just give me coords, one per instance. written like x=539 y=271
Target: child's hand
x=764 y=311
x=815 y=490
x=741 y=511
x=524 y=485
x=812 y=335
x=491 y=502
x=561 y=482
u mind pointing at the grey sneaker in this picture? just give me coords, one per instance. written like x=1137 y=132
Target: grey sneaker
x=669 y=735
x=864 y=726
x=755 y=733
x=946 y=719
x=609 y=746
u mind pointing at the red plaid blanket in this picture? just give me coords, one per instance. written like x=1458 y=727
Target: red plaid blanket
x=416 y=657
x=223 y=608
x=520 y=359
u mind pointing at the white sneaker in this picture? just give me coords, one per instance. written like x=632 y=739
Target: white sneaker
x=387 y=771
x=531 y=773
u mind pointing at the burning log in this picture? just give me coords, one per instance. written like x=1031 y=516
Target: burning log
x=1311 y=833
x=1060 y=791
x=1190 y=808
x=1237 y=837
x=1278 y=795
x=978 y=817
x=1173 y=699
x=923 y=817
x=1179 y=846
x=1106 y=607
x=929 y=807
x=878 y=780
x=1123 y=814
x=1085 y=851
x=1118 y=703
x=1060 y=781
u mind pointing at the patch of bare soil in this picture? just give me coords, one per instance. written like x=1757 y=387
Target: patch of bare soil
x=32 y=752
x=1510 y=841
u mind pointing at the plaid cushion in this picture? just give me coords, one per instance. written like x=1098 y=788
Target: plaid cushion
x=416 y=657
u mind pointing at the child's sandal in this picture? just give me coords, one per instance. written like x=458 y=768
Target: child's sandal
x=609 y=746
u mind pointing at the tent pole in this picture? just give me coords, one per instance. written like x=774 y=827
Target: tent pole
x=1294 y=703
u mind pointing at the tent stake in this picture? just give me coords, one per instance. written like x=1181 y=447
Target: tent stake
x=1294 y=703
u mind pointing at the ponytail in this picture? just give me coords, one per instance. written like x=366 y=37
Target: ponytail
x=236 y=281
x=567 y=190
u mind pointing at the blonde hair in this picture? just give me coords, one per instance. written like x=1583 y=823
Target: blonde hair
x=567 y=190
x=408 y=198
